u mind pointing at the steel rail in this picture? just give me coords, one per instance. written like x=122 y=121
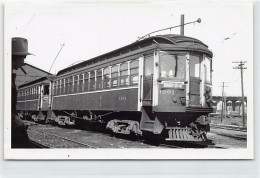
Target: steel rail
x=229 y=127
x=38 y=145
x=80 y=143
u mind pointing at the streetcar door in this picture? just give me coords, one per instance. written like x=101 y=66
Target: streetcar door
x=45 y=96
x=195 y=81
x=148 y=80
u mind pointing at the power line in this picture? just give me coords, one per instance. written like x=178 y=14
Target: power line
x=28 y=23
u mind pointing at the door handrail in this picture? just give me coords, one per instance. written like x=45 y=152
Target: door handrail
x=140 y=99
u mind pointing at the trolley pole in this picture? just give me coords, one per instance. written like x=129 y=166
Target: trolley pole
x=240 y=66
x=57 y=56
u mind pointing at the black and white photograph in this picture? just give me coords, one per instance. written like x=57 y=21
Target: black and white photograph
x=128 y=80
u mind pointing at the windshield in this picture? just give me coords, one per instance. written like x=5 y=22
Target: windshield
x=172 y=66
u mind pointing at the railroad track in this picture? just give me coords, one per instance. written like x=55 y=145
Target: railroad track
x=227 y=131
x=36 y=144
x=85 y=145
x=191 y=145
x=229 y=127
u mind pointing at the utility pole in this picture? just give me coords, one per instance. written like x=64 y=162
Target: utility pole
x=182 y=25
x=222 y=110
x=240 y=66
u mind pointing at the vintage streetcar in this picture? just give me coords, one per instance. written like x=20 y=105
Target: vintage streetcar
x=157 y=86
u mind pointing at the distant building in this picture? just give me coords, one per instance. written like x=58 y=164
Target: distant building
x=232 y=104
x=32 y=74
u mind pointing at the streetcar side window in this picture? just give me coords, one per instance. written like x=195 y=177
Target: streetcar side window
x=67 y=83
x=32 y=92
x=99 y=79
x=70 y=86
x=92 y=80
x=114 y=76
x=64 y=86
x=57 y=88
x=18 y=95
x=134 y=65
x=54 y=88
x=81 y=82
x=76 y=79
x=107 y=77
x=86 y=82
x=73 y=84
x=28 y=93
x=37 y=91
x=61 y=86
x=124 y=74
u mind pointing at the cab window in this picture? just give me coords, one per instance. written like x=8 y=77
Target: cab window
x=172 y=66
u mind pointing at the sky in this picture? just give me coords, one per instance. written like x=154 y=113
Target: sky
x=92 y=29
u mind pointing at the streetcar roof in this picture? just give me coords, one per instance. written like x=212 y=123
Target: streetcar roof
x=42 y=80
x=177 y=42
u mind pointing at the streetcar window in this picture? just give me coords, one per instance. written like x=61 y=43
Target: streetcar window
x=114 y=76
x=194 y=66
x=54 y=88
x=29 y=93
x=57 y=87
x=86 y=82
x=76 y=79
x=60 y=87
x=107 y=76
x=134 y=72
x=67 y=85
x=172 y=65
x=92 y=80
x=64 y=86
x=208 y=70
x=124 y=74
x=148 y=63
x=81 y=82
x=99 y=79
x=73 y=83
x=32 y=93
x=46 y=90
x=70 y=86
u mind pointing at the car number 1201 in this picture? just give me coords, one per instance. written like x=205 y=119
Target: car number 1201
x=167 y=92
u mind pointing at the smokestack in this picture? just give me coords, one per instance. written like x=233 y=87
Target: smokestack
x=182 y=25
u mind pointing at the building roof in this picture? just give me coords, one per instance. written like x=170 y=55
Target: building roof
x=32 y=73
